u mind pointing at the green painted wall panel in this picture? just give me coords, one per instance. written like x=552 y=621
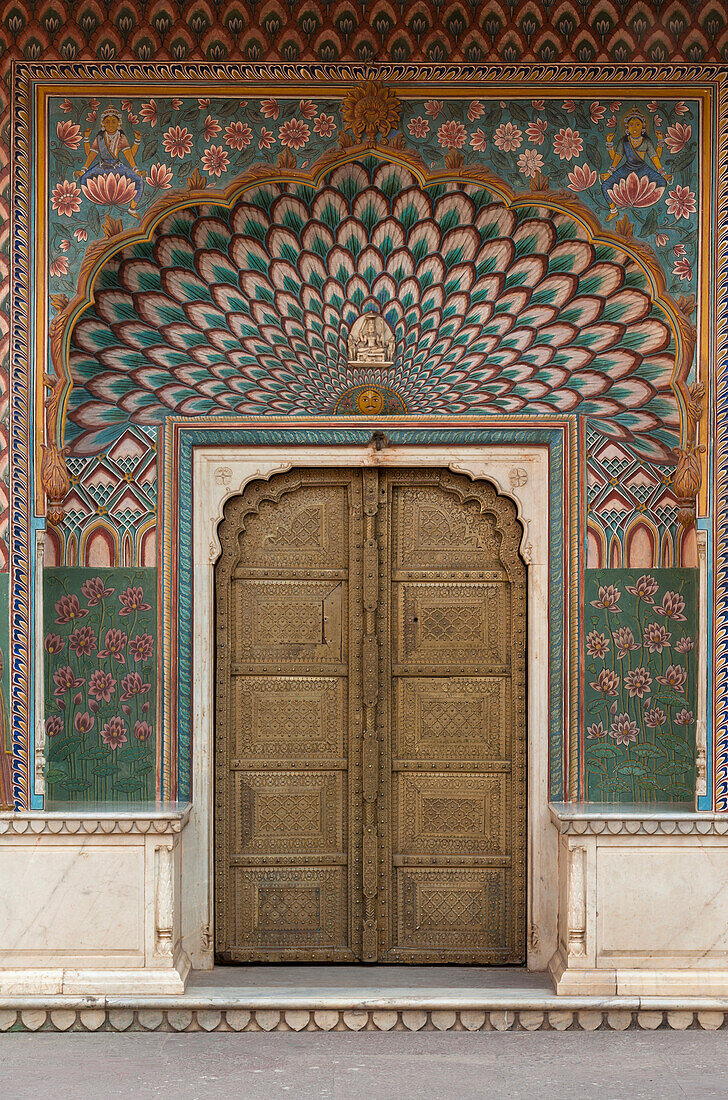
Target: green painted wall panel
x=100 y=631
x=640 y=682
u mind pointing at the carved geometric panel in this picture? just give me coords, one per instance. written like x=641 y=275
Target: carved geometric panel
x=434 y=531
x=293 y=621
x=457 y=815
x=288 y=812
x=288 y=719
x=292 y=907
x=452 y=910
x=448 y=624
x=451 y=718
x=299 y=531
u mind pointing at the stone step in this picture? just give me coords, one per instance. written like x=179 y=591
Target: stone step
x=361 y=1009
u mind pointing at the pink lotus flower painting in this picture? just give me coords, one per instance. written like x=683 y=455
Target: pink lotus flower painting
x=110 y=190
x=624 y=641
x=100 y=708
x=68 y=609
x=581 y=178
x=640 y=697
x=69 y=133
x=160 y=176
x=66 y=198
x=635 y=191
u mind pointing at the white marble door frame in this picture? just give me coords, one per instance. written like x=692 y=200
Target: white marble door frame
x=519 y=472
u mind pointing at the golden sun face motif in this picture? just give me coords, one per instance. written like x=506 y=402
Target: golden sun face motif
x=369 y=402
x=371 y=111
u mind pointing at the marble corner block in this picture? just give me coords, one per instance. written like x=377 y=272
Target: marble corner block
x=90 y=903
x=643 y=902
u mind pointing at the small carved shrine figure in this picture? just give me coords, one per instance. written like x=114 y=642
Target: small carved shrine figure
x=371 y=342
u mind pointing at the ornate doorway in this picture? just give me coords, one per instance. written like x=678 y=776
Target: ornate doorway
x=370 y=720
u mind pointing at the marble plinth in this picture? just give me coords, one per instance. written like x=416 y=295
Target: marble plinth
x=643 y=901
x=90 y=902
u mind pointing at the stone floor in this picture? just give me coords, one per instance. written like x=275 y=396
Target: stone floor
x=374 y=978
x=516 y=1065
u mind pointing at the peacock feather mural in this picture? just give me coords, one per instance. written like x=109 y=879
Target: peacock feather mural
x=213 y=258
x=495 y=309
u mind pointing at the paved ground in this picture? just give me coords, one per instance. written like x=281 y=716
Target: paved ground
x=664 y=1065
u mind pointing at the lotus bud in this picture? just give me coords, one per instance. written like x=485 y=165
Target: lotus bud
x=686 y=483
x=55 y=481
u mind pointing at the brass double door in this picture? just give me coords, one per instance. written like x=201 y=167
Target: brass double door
x=370 y=721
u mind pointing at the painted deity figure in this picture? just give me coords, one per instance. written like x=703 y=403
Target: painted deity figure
x=104 y=154
x=638 y=156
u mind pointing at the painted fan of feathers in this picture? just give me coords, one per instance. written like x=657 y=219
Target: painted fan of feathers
x=247 y=311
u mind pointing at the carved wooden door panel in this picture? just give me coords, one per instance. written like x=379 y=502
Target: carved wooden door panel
x=288 y=584
x=370 y=755
x=453 y=625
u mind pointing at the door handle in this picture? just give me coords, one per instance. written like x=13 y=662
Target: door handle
x=331 y=619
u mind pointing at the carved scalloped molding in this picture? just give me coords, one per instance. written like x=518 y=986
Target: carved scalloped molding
x=29 y=825
x=645 y=826
x=231 y=487
x=521 y=1011
x=514 y=490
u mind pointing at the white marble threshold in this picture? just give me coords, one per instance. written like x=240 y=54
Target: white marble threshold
x=368 y=988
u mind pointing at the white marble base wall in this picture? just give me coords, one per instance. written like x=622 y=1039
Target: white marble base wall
x=91 y=903
x=643 y=902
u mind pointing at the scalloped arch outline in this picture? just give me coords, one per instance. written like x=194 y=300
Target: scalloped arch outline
x=100 y=253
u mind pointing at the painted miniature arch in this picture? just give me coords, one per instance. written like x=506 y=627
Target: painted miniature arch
x=240 y=302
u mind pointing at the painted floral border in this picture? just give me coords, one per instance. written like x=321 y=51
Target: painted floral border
x=558 y=143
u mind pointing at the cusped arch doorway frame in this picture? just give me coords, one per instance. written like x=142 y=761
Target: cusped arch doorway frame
x=519 y=472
